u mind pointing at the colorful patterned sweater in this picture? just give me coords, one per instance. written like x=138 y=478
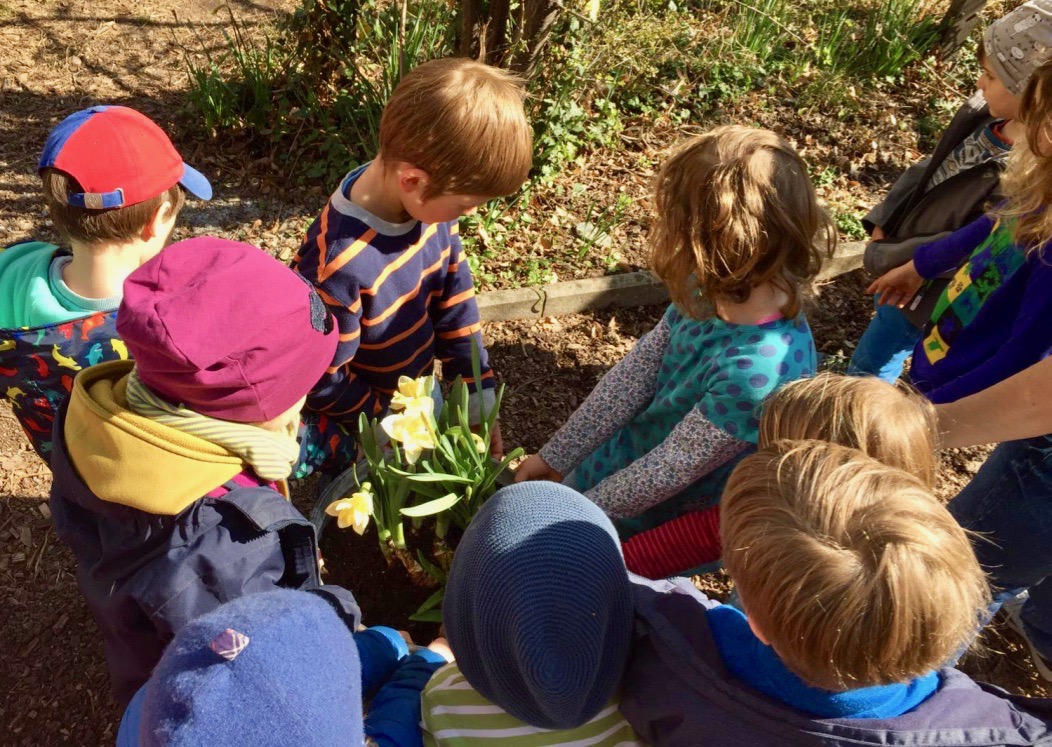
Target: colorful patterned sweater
x=402 y=295
x=45 y=340
x=992 y=321
x=661 y=432
x=49 y=341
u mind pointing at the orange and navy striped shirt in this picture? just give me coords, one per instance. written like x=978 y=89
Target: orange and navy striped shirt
x=402 y=295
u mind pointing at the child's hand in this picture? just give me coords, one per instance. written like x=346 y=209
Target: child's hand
x=535 y=468
x=441 y=647
x=896 y=287
x=496 y=442
x=878 y=233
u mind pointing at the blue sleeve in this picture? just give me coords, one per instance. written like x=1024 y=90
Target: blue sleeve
x=949 y=253
x=380 y=650
x=394 y=717
x=128 y=732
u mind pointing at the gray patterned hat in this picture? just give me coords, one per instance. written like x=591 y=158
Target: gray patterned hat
x=1018 y=43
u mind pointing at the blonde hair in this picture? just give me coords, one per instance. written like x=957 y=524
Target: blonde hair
x=852 y=569
x=736 y=209
x=890 y=423
x=101 y=226
x=1027 y=181
x=463 y=123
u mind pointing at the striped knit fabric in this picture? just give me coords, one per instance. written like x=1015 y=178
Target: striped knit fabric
x=677 y=546
x=456 y=715
x=270 y=453
x=402 y=295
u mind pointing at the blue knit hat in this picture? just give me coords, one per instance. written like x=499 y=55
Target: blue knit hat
x=273 y=668
x=538 y=609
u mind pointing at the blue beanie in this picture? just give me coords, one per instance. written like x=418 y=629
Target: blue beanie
x=273 y=668
x=538 y=608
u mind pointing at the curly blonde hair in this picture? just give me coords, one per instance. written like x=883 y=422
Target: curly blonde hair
x=736 y=209
x=1027 y=181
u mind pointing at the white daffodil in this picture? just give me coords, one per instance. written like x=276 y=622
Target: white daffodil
x=353 y=511
x=413 y=395
x=411 y=429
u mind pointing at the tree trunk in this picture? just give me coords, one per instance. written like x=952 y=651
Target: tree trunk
x=538 y=20
x=958 y=23
x=497 y=32
x=470 y=17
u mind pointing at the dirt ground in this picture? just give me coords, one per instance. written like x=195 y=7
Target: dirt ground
x=62 y=55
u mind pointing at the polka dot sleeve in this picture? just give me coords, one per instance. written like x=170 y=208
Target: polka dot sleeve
x=626 y=389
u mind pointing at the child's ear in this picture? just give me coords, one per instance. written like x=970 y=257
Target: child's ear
x=756 y=630
x=162 y=222
x=412 y=180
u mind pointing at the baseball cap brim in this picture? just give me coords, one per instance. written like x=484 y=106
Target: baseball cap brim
x=195 y=183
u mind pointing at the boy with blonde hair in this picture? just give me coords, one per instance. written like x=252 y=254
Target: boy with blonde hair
x=857 y=586
x=114 y=186
x=385 y=252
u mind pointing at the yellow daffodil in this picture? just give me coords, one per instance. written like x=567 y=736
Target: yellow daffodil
x=354 y=511
x=411 y=429
x=413 y=395
x=480 y=445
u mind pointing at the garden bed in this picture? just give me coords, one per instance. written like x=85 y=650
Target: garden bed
x=62 y=56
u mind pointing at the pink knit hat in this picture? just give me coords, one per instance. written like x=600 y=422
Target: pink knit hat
x=225 y=329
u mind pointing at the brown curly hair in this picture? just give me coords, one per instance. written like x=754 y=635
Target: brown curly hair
x=736 y=209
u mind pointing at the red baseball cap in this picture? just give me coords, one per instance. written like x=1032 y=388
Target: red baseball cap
x=120 y=157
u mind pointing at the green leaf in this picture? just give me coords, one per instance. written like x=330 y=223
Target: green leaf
x=432 y=507
x=432 y=601
x=432 y=477
x=486 y=484
x=432 y=570
x=428 y=616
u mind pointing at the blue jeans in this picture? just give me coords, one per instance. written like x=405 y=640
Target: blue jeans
x=1010 y=502
x=885 y=345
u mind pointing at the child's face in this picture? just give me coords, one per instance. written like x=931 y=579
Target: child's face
x=1003 y=103
x=413 y=183
x=444 y=208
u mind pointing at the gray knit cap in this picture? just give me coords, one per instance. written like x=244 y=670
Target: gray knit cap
x=538 y=608
x=1017 y=43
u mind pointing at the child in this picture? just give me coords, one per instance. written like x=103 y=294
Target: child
x=114 y=185
x=167 y=471
x=538 y=610
x=990 y=324
x=734 y=242
x=275 y=668
x=857 y=585
x=955 y=185
x=385 y=252
x=889 y=424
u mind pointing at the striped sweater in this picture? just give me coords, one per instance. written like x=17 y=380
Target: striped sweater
x=402 y=295
x=454 y=714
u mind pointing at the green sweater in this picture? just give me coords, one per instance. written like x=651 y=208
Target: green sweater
x=33 y=293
